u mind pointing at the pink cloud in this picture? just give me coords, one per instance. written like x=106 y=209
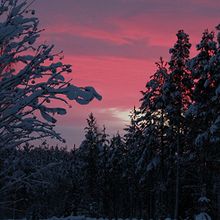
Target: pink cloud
x=160 y=28
x=86 y=31
x=119 y=80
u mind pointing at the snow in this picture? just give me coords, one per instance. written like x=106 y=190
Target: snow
x=217 y=91
x=153 y=163
x=204 y=199
x=203 y=216
x=192 y=110
x=22 y=95
x=83 y=218
x=201 y=138
x=17 y=9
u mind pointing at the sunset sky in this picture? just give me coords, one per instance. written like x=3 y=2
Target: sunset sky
x=113 y=45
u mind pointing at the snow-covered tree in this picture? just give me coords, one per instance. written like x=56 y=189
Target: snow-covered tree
x=155 y=125
x=116 y=168
x=179 y=92
x=202 y=72
x=166 y=165
x=204 y=110
x=32 y=79
x=133 y=171
x=103 y=173
x=89 y=153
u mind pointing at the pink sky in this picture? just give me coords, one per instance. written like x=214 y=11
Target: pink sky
x=113 y=45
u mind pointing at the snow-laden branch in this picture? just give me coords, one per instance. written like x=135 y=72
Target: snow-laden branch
x=32 y=77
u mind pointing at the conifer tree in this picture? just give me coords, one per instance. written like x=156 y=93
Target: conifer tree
x=179 y=93
x=89 y=153
x=155 y=125
x=134 y=142
x=116 y=165
x=204 y=111
x=103 y=174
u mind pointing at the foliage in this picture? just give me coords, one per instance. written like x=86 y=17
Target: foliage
x=164 y=167
x=32 y=79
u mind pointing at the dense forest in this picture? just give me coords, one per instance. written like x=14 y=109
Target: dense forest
x=166 y=165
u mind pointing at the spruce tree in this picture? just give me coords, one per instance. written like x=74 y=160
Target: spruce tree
x=155 y=125
x=204 y=111
x=134 y=141
x=89 y=155
x=179 y=93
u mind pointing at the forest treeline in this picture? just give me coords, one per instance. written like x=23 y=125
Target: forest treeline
x=165 y=166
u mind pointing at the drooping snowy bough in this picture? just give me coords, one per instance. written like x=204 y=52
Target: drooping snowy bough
x=32 y=79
